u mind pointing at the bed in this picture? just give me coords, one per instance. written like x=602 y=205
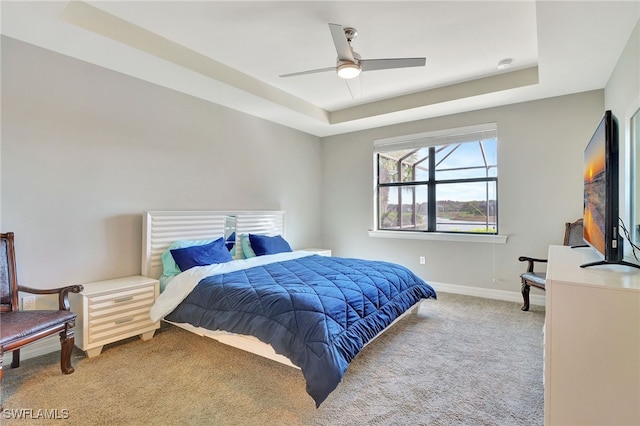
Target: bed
x=312 y=312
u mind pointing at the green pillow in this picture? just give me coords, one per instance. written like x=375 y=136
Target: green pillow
x=245 y=243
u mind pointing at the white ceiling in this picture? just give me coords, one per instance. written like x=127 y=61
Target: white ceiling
x=232 y=52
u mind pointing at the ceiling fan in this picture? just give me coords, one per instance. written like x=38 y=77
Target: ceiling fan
x=350 y=64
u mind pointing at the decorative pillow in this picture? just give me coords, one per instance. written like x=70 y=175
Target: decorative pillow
x=245 y=244
x=262 y=244
x=231 y=244
x=207 y=254
x=169 y=266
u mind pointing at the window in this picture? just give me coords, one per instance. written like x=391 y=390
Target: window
x=438 y=182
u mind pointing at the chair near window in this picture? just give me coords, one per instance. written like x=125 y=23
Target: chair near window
x=19 y=328
x=573 y=232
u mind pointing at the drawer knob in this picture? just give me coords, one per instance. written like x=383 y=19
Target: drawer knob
x=123 y=320
x=122 y=299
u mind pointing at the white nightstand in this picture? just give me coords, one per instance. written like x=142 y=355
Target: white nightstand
x=320 y=251
x=114 y=310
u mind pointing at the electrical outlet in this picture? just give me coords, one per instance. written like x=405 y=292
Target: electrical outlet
x=28 y=303
x=423 y=260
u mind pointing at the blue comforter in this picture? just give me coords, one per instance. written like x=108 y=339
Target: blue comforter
x=317 y=311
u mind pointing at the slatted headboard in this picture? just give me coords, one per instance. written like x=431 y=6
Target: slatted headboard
x=161 y=228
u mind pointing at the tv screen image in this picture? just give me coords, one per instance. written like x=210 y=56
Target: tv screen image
x=601 y=185
x=595 y=191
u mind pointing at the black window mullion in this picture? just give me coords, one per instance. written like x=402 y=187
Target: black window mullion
x=431 y=192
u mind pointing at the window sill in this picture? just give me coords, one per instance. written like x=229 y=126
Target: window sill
x=440 y=236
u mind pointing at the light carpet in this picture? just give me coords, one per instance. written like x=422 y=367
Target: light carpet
x=461 y=361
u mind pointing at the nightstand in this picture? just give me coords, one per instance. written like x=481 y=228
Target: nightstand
x=114 y=310
x=320 y=251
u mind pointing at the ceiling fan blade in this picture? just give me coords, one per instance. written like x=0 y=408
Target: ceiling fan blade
x=385 y=64
x=353 y=84
x=342 y=45
x=293 y=74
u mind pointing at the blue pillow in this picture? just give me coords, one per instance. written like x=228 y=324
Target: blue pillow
x=169 y=264
x=188 y=257
x=261 y=244
x=231 y=243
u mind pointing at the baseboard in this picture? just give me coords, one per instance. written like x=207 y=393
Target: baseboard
x=487 y=293
x=40 y=347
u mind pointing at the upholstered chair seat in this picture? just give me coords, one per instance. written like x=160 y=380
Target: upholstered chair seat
x=536 y=278
x=17 y=325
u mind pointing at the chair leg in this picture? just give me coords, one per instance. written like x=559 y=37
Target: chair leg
x=525 y=295
x=66 y=342
x=15 y=362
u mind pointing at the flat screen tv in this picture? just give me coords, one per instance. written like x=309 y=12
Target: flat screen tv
x=601 y=163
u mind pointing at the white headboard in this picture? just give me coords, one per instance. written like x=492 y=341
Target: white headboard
x=161 y=228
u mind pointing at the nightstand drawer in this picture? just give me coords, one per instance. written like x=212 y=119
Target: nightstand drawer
x=105 y=328
x=123 y=300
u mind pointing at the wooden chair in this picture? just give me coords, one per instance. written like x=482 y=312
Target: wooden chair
x=19 y=328
x=572 y=237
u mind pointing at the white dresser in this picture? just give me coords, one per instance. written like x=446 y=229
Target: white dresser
x=114 y=310
x=592 y=341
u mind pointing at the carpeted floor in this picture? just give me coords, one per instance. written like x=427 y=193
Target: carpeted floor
x=461 y=361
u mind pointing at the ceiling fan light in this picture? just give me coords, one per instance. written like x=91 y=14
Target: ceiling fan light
x=348 y=70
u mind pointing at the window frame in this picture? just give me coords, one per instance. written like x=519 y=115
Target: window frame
x=431 y=141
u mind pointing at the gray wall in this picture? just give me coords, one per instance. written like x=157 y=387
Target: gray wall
x=85 y=151
x=540 y=156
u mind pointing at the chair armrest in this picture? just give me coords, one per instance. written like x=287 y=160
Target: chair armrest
x=63 y=293
x=531 y=261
